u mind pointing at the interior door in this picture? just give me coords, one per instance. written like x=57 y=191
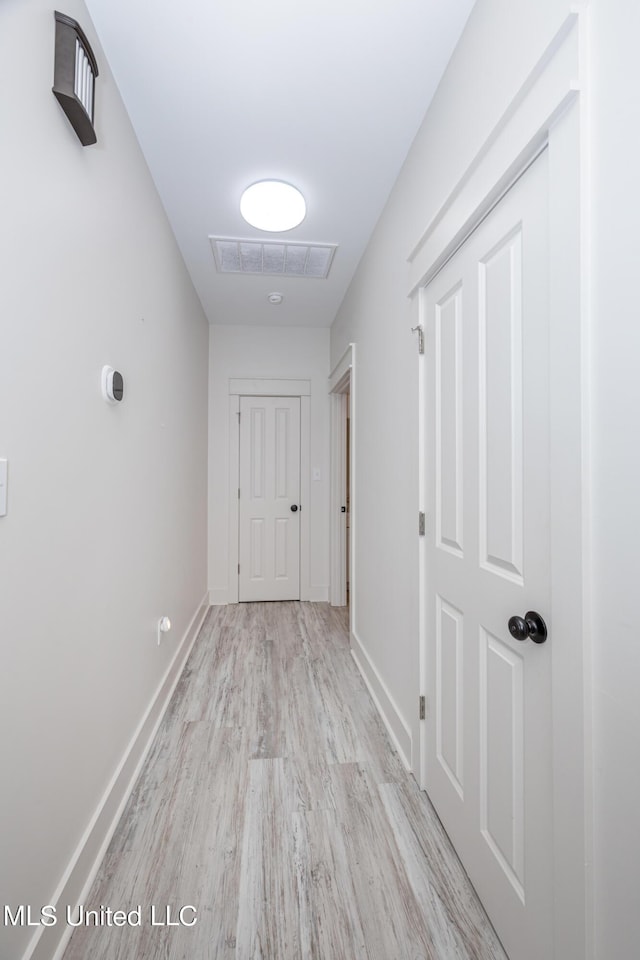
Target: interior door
x=488 y=559
x=269 y=536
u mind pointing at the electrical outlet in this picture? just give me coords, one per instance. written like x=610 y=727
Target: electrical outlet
x=4 y=473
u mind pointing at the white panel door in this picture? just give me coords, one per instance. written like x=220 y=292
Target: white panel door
x=487 y=444
x=269 y=539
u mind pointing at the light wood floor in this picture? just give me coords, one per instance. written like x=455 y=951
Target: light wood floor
x=273 y=802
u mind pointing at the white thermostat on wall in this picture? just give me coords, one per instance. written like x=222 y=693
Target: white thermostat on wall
x=112 y=385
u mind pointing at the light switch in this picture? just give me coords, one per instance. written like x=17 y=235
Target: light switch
x=315 y=475
x=4 y=473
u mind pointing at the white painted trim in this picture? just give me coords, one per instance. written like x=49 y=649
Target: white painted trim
x=514 y=142
x=339 y=387
x=273 y=388
x=584 y=308
x=551 y=108
x=387 y=708
x=517 y=169
x=570 y=535
x=305 y=498
x=75 y=884
x=337 y=499
x=341 y=382
x=419 y=766
x=353 y=503
x=267 y=387
x=233 y=584
x=340 y=370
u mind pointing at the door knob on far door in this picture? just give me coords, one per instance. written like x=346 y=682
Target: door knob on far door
x=294 y=508
x=529 y=627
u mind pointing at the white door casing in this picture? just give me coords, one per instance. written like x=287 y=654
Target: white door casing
x=487 y=551
x=269 y=530
x=549 y=111
x=339 y=573
x=341 y=391
x=268 y=387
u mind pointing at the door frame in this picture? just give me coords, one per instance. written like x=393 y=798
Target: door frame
x=549 y=112
x=267 y=387
x=341 y=398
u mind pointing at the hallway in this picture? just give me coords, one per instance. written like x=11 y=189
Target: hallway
x=273 y=802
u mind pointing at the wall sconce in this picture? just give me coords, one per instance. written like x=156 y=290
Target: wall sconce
x=74 y=77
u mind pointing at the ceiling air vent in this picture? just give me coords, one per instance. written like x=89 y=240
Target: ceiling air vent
x=273 y=258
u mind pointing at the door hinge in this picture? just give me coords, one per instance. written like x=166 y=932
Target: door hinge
x=423 y=708
x=238 y=493
x=420 y=331
x=422 y=522
x=238 y=416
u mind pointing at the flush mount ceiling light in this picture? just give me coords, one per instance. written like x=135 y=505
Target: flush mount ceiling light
x=275 y=298
x=273 y=205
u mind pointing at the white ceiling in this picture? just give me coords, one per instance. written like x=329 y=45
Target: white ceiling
x=327 y=96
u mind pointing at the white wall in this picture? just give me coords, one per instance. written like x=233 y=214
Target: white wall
x=278 y=353
x=106 y=529
x=502 y=42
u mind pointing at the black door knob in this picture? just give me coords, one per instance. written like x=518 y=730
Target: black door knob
x=529 y=627
x=294 y=507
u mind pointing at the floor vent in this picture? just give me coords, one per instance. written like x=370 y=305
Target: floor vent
x=273 y=258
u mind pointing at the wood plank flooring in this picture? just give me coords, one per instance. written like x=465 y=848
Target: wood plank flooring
x=273 y=802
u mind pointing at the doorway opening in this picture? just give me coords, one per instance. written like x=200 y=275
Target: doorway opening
x=342 y=531
x=347 y=498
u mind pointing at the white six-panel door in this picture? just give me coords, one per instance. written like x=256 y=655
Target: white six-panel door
x=269 y=535
x=487 y=415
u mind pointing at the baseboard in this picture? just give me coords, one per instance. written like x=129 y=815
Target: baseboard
x=397 y=729
x=49 y=943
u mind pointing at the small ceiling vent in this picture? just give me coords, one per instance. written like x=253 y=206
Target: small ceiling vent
x=273 y=258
